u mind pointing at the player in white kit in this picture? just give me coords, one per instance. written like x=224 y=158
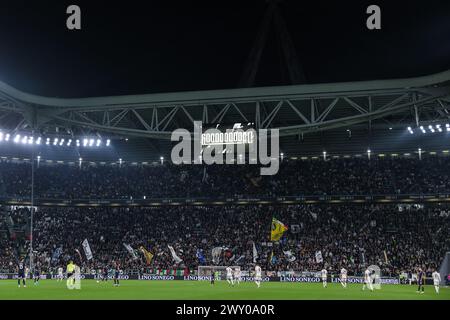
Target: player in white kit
x=344 y=277
x=230 y=276
x=324 y=274
x=60 y=276
x=258 y=277
x=436 y=280
x=237 y=275
x=367 y=280
x=26 y=272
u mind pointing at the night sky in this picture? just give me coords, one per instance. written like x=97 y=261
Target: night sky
x=132 y=47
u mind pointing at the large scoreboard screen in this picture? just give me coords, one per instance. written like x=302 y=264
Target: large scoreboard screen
x=229 y=134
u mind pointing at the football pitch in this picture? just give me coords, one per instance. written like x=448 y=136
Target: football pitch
x=201 y=290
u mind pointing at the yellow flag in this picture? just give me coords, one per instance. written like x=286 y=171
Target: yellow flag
x=148 y=255
x=278 y=229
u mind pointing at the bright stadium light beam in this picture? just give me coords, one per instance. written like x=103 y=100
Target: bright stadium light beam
x=108 y=142
x=17 y=138
x=30 y=140
x=7 y=137
x=38 y=140
x=69 y=142
x=61 y=142
x=24 y=140
x=91 y=142
x=98 y=142
x=55 y=141
x=85 y=142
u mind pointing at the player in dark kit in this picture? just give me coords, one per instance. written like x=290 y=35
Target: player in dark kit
x=212 y=277
x=105 y=274
x=36 y=276
x=21 y=274
x=421 y=281
x=116 y=274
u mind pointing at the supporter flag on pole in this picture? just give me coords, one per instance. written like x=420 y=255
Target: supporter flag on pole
x=79 y=255
x=278 y=229
x=289 y=256
x=200 y=256
x=148 y=256
x=216 y=254
x=255 y=253
x=319 y=257
x=56 y=254
x=130 y=250
x=385 y=257
x=87 y=249
x=174 y=255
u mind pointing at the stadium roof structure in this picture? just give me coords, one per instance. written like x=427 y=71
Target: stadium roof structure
x=310 y=117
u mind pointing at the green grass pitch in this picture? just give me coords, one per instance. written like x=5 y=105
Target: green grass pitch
x=193 y=290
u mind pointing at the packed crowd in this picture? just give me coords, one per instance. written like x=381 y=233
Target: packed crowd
x=396 y=238
x=344 y=176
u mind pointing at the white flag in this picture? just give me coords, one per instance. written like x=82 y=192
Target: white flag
x=174 y=255
x=319 y=257
x=87 y=249
x=289 y=256
x=255 y=253
x=216 y=254
x=130 y=250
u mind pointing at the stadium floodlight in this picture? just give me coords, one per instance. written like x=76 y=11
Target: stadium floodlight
x=431 y=128
x=78 y=143
x=423 y=129
x=108 y=142
x=47 y=142
x=38 y=140
x=368 y=153
x=69 y=142
x=24 y=140
x=91 y=142
x=85 y=142
x=7 y=137
x=410 y=130
x=16 y=138
x=1 y=136
x=30 y=140
x=324 y=155
x=61 y=142
x=55 y=141
x=98 y=142
x=162 y=159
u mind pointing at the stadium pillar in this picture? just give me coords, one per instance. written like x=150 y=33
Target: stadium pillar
x=32 y=206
